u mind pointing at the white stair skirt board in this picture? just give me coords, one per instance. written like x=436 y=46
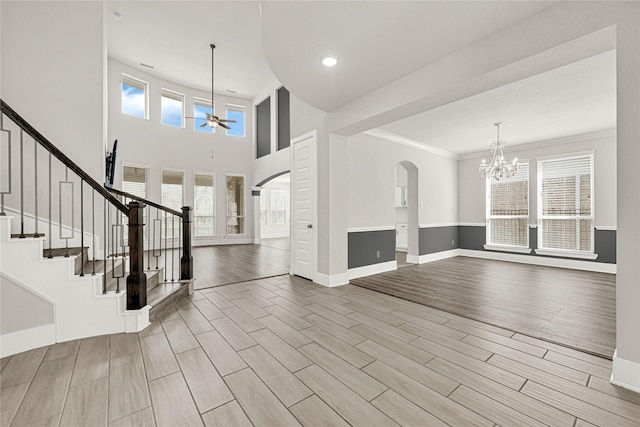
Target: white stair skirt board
x=331 y=280
x=80 y=308
x=599 y=267
x=368 y=270
x=625 y=373
x=27 y=339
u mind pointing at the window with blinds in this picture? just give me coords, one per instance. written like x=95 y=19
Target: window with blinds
x=508 y=209
x=204 y=198
x=172 y=198
x=565 y=205
x=235 y=204
x=134 y=180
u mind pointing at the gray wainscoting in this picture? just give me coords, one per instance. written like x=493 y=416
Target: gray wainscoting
x=472 y=237
x=605 y=246
x=437 y=239
x=371 y=247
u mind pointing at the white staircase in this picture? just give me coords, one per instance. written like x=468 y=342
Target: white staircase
x=79 y=306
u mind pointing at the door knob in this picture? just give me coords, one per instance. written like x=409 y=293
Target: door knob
x=309 y=226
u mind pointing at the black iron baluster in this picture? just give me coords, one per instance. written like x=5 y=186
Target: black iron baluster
x=81 y=228
x=50 y=215
x=66 y=241
x=22 y=236
x=105 y=241
x=93 y=231
x=173 y=241
x=165 y=247
x=35 y=171
x=9 y=173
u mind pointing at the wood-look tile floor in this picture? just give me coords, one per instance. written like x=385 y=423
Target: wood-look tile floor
x=571 y=307
x=283 y=351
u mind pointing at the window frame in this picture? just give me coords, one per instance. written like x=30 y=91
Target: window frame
x=238 y=109
x=244 y=205
x=488 y=217
x=567 y=252
x=204 y=103
x=213 y=176
x=129 y=80
x=176 y=96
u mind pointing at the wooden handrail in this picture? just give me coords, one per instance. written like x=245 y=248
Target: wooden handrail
x=143 y=200
x=37 y=136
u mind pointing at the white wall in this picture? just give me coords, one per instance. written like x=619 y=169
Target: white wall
x=372 y=182
x=472 y=190
x=21 y=309
x=147 y=142
x=52 y=74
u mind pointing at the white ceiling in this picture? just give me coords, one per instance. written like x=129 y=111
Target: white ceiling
x=376 y=42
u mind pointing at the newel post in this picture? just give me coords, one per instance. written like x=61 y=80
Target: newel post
x=136 y=280
x=186 y=262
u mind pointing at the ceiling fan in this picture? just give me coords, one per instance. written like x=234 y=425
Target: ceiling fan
x=213 y=121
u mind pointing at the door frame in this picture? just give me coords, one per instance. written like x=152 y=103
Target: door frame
x=312 y=137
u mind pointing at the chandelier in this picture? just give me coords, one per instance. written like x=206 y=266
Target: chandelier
x=499 y=167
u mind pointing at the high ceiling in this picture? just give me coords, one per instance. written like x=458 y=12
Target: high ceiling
x=261 y=43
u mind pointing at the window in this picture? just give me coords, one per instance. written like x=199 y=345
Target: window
x=508 y=209
x=274 y=204
x=204 y=201
x=134 y=97
x=235 y=204
x=565 y=205
x=171 y=106
x=237 y=113
x=172 y=198
x=201 y=108
x=134 y=180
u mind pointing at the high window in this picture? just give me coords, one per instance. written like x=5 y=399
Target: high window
x=235 y=205
x=201 y=108
x=508 y=209
x=237 y=113
x=565 y=204
x=134 y=97
x=204 y=205
x=172 y=108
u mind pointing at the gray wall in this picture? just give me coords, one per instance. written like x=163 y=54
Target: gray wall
x=263 y=128
x=437 y=239
x=21 y=309
x=284 y=121
x=371 y=247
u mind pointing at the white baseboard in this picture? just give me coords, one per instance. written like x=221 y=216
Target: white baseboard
x=136 y=320
x=368 y=270
x=28 y=339
x=625 y=373
x=573 y=264
x=331 y=280
x=423 y=259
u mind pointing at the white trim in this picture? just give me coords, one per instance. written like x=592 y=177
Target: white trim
x=472 y=224
x=566 y=254
x=27 y=339
x=507 y=248
x=533 y=225
x=444 y=224
x=136 y=320
x=363 y=229
x=331 y=280
x=572 y=264
x=606 y=227
x=607 y=133
x=436 y=256
x=567 y=156
x=392 y=137
x=368 y=270
x=625 y=373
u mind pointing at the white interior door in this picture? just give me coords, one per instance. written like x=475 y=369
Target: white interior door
x=303 y=198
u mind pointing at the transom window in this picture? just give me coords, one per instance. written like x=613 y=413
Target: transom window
x=565 y=205
x=172 y=108
x=134 y=97
x=508 y=209
x=237 y=113
x=201 y=108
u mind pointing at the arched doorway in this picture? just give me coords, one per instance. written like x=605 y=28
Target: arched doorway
x=406 y=213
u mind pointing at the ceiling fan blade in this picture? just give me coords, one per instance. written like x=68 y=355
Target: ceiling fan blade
x=227 y=121
x=223 y=125
x=204 y=124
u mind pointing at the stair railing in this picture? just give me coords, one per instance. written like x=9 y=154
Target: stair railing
x=68 y=194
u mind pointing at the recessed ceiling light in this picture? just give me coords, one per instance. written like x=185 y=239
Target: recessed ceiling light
x=329 y=61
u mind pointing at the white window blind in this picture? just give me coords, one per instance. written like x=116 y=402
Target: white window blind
x=565 y=205
x=172 y=189
x=508 y=209
x=134 y=181
x=204 y=205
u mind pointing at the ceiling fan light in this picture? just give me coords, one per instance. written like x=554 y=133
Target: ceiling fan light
x=329 y=61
